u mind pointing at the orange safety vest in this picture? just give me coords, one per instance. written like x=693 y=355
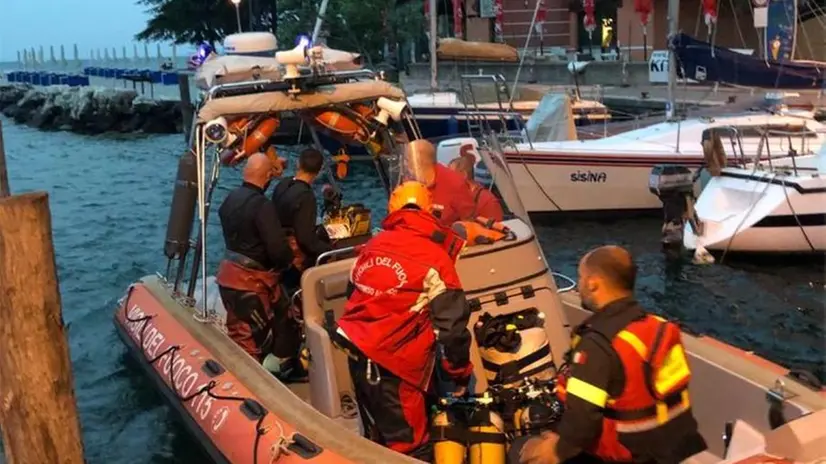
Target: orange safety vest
x=656 y=384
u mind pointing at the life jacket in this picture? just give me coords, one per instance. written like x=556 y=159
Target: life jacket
x=233 y=274
x=482 y=231
x=656 y=382
x=514 y=347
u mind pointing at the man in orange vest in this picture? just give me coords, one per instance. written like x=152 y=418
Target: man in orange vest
x=626 y=392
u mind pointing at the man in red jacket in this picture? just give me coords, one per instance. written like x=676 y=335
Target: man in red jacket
x=485 y=202
x=405 y=302
x=450 y=193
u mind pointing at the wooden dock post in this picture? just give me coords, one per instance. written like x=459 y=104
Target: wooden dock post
x=38 y=413
x=5 y=189
x=187 y=110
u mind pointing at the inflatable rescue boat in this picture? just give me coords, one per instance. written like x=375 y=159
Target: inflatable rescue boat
x=174 y=324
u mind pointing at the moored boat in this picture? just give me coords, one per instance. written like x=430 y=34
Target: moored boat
x=240 y=413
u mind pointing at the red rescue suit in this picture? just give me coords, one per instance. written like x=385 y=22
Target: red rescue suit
x=655 y=390
x=402 y=278
x=452 y=197
x=486 y=203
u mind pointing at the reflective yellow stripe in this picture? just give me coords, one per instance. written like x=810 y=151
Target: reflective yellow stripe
x=674 y=369
x=658 y=318
x=650 y=424
x=635 y=343
x=587 y=392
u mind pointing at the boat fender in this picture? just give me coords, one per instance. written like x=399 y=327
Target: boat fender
x=514 y=347
x=182 y=211
x=713 y=152
x=482 y=231
x=342 y=159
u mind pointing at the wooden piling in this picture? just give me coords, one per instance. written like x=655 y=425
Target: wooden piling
x=187 y=110
x=38 y=413
x=5 y=189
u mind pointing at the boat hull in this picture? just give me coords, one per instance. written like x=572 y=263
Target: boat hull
x=217 y=408
x=562 y=183
x=761 y=212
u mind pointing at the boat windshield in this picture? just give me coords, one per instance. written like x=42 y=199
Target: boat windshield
x=489 y=169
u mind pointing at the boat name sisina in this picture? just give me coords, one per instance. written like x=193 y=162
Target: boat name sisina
x=588 y=176
x=184 y=376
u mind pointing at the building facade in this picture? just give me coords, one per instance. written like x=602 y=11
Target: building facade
x=618 y=27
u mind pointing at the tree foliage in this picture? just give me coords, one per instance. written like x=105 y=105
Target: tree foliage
x=363 y=26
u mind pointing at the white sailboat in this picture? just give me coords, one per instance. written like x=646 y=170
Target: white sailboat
x=611 y=174
x=777 y=207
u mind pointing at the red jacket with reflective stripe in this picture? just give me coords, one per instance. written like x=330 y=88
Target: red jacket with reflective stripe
x=633 y=346
x=406 y=296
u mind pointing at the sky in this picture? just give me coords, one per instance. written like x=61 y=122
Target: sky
x=91 y=24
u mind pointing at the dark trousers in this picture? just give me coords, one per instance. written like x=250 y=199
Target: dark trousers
x=394 y=413
x=260 y=330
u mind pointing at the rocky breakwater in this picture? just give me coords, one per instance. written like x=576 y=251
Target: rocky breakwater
x=89 y=110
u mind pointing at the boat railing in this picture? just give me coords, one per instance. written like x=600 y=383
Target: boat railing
x=233 y=89
x=764 y=147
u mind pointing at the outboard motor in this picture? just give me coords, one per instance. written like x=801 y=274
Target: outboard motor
x=674 y=186
x=182 y=211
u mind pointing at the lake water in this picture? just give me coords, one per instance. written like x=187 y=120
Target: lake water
x=109 y=200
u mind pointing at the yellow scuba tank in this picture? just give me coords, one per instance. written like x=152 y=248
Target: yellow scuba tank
x=445 y=450
x=492 y=450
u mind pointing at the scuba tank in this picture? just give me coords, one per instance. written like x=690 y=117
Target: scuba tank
x=445 y=449
x=489 y=448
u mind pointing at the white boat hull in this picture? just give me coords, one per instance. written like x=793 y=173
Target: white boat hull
x=611 y=174
x=761 y=212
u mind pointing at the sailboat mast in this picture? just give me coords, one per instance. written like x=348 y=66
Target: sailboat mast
x=433 y=35
x=673 y=26
x=322 y=10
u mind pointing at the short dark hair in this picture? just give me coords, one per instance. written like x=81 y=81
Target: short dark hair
x=311 y=161
x=615 y=265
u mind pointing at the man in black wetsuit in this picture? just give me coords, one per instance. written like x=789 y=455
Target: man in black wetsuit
x=249 y=275
x=296 y=205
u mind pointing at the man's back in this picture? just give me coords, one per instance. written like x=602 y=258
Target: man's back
x=397 y=276
x=251 y=227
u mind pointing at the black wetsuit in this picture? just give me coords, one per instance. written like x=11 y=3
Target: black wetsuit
x=252 y=228
x=296 y=206
x=256 y=241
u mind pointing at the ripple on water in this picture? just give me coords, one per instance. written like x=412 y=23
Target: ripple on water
x=109 y=198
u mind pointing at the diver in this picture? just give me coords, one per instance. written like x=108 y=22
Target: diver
x=485 y=202
x=451 y=195
x=256 y=253
x=404 y=288
x=296 y=206
x=626 y=393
